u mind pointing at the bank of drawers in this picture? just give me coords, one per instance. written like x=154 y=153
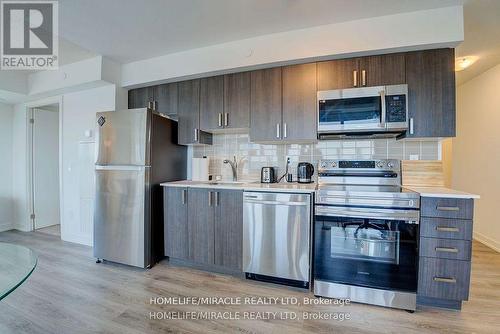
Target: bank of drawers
x=445 y=248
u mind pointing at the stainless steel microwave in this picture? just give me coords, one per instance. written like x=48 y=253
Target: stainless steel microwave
x=379 y=110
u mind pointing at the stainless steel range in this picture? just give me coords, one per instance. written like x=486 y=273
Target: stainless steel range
x=365 y=233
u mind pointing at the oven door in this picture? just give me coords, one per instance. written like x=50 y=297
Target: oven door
x=374 y=251
x=352 y=110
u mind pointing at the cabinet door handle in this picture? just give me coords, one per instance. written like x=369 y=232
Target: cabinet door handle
x=209 y=198
x=447 y=249
x=445 y=279
x=411 y=125
x=284 y=130
x=195 y=134
x=149 y=105
x=278 y=130
x=355 y=78
x=220 y=119
x=154 y=105
x=226 y=119
x=216 y=198
x=184 y=196
x=447 y=229
x=363 y=78
x=447 y=208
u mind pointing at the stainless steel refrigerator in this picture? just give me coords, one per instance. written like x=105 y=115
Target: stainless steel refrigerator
x=137 y=150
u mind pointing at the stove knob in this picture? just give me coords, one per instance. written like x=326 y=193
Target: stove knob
x=323 y=164
x=390 y=165
x=380 y=164
x=334 y=164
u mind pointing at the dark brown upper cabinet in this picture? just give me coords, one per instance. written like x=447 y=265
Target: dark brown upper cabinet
x=165 y=99
x=362 y=72
x=140 y=97
x=382 y=70
x=237 y=101
x=338 y=74
x=265 y=105
x=430 y=76
x=299 y=102
x=188 y=110
x=212 y=103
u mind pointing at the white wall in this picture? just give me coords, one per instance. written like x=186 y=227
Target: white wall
x=400 y=32
x=476 y=151
x=78 y=115
x=6 y=154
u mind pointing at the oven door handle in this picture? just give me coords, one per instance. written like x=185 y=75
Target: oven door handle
x=389 y=214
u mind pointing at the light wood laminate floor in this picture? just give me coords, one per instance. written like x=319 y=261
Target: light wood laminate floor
x=70 y=293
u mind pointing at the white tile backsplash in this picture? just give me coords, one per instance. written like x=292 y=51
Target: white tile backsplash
x=252 y=157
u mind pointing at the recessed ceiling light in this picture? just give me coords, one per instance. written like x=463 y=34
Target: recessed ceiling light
x=462 y=63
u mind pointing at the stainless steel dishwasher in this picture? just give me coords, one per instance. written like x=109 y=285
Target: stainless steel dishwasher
x=276 y=237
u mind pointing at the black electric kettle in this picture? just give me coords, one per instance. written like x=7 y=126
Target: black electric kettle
x=305 y=171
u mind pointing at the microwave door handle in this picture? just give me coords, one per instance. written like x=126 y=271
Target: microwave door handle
x=382 y=101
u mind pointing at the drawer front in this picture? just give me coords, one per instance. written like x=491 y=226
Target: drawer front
x=446 y=228
x=445 y=248
x=457 y=208
x=444 y=279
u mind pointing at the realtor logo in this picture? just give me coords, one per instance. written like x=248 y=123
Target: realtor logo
x=29 y=35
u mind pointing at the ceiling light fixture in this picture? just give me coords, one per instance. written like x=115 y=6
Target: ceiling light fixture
x=462 y=63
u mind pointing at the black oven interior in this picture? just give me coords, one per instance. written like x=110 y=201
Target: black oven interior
x=366 y=252
x=350 y=110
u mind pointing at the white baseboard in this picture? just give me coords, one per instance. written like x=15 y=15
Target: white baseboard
x=6 y=226
x=493 y=244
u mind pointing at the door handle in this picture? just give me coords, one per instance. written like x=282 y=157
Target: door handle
x=447 y=229
x=355 y=78
x=220 y=119
x=184 y=196
x=226 y=119
x=278 y=132
x=382 y=105
x=209 y=198
x=195 y=134
x=216 y=198
x=154 y=105
x=363 y=78
x=284 y=130
x=447 y=249
x=411 y=125
x=445 y=280
x=448 y=208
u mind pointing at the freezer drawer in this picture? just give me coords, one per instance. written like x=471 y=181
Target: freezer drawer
x=276 y=233
x=121 y=216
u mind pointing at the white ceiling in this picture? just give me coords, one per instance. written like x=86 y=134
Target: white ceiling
x=482 y=37
x=129 y=30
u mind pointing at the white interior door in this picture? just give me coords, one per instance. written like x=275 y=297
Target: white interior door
x=46 y=167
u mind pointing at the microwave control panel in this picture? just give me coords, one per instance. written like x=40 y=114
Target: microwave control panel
x=395 y=106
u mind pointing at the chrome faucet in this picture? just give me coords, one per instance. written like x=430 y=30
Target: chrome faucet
x=234 y=167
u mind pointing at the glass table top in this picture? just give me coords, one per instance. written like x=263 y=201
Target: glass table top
x=16 y=265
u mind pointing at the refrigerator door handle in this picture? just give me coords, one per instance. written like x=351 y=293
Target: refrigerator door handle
x=120 y=167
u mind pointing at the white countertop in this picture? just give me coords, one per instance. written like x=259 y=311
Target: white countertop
x=441 y=192
x=248 y=185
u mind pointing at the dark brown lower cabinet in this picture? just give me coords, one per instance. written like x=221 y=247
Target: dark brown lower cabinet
x=204 y=226
x=445 y=252
x=229 y=229
x=201 y=225
x=176 y=225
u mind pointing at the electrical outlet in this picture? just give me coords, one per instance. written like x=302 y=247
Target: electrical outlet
x=413 y=156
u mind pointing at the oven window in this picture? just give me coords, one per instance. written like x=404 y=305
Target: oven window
x=359 y=110
x=367 y=252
